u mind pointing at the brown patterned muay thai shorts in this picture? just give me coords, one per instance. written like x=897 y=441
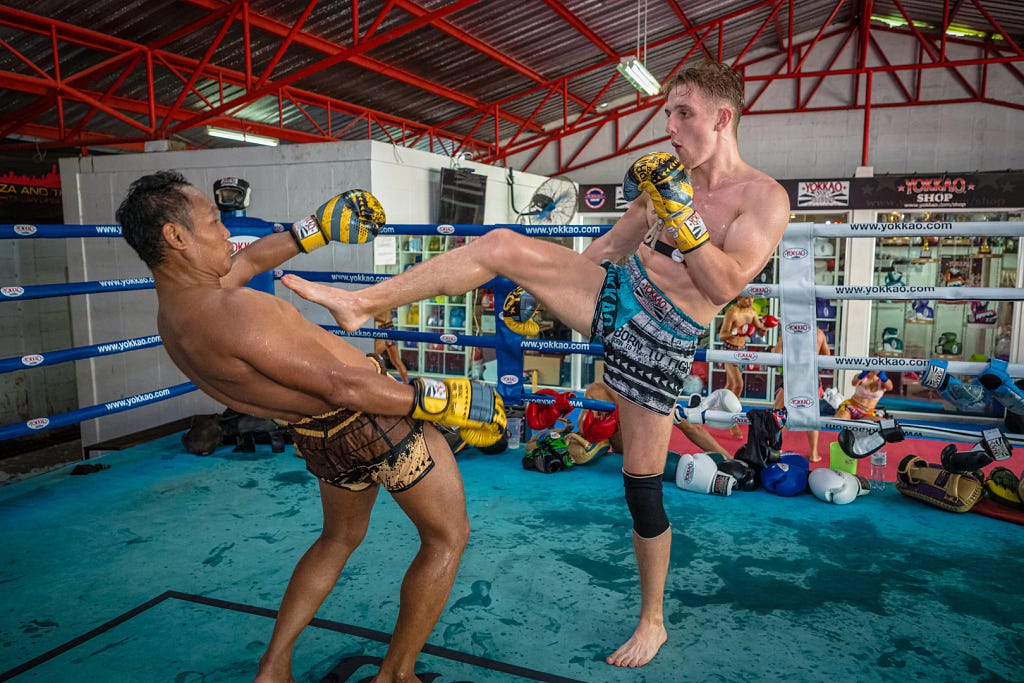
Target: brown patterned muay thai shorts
x=351 y=450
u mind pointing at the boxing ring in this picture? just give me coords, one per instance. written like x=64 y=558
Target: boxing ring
x=797 y=297
x=169 y=564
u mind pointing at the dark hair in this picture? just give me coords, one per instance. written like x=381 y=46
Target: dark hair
x=718 y=81
x=153 y=201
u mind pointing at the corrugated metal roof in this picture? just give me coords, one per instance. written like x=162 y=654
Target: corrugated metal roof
x=441 y=67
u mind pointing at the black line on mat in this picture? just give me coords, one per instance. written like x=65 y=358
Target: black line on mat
x=384 y=637
x=337 y=626
x=75 y=642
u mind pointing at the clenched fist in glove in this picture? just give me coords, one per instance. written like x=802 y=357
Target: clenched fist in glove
x=518 y=312
x=353 y=217
x=471 y=405
x=667 y=183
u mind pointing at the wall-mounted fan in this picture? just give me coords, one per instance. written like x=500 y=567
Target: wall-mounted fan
x=554 y=203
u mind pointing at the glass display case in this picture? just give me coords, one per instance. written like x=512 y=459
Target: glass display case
x=440 y=315
x=959 y=330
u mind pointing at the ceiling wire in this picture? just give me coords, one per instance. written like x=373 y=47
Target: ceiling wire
x=638 y=29
x=643 y=60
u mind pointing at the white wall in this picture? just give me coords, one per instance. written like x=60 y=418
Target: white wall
x=287 y=183
x=34 y=326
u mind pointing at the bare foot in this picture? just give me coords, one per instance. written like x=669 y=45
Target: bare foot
x=640 y=648
x=341 y=303
x=269 y=673
x=263 y=677
x=736 y=432
x=381 y=677
x=815 y=457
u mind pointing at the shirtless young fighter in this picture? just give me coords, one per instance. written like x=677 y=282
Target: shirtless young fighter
x=356 y=428
x=681 y=268
x=739 y=324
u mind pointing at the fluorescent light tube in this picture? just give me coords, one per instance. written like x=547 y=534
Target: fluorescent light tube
x=638 y=75
x=241 y=137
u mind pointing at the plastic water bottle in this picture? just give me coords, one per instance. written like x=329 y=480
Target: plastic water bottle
x=514 y=430
x=877 y=475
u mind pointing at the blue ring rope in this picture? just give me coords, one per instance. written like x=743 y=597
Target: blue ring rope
x=26 y=231
x=82 y=414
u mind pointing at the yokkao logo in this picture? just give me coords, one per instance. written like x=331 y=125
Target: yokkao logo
x=759 y=290
x=278 y=273
x=446 y=229
x=12 y=291
x=745 y=355
x=595 y=198
x=509 y=379
x=30 y=360
x=38 y=423
x=240 y=242
x=800 y=402
x=24 y=230
x=798 y=328
x=795 y=253
x=449 y=338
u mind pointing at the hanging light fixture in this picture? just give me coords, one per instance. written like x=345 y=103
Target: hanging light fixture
x=633 y=68
x=638 y=76
x=213 y=131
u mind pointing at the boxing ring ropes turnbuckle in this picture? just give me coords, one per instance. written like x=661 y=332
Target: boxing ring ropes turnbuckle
x=797 y=294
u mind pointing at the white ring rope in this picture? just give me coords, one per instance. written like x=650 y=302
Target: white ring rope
x=797 y=292
x=718 y=418
x=857 y=362
x=932 y=229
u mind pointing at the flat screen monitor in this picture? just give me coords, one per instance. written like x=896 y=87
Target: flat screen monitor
x=462 y=196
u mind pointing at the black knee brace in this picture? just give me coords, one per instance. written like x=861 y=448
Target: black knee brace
x=643 y=496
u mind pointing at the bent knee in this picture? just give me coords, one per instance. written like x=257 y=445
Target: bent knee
x=497 y=246
x=450 y=541
x=644 y=499
x=342 y=540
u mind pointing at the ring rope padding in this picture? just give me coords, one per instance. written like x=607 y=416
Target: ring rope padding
x=29 y=231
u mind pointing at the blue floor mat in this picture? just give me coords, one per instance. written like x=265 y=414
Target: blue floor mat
x=168 y=567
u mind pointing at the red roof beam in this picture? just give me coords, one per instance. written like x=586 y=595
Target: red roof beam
x=997 y=27
x=585 y=31
x=750 y=43
x=913 y=29
x=831 y=62
x=821 y=32
x=688 y=25
x=880 y=53
x=200 y=68
x=292 y=33
x=243 y=100
x=109 y=93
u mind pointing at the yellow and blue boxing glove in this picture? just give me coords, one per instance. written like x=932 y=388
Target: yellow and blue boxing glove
x=472 y=406
x=519 y=311
x=667 y=183
x=352 y=217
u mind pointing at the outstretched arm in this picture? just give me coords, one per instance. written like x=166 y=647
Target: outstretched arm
x=260 y=256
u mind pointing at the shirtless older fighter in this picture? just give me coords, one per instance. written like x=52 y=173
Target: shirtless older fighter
x=692 y=241
x=356 y=428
